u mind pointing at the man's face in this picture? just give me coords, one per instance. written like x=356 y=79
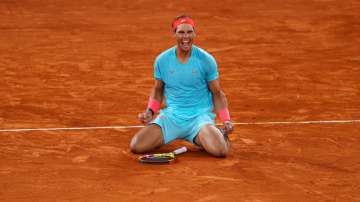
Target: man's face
x=184 y=35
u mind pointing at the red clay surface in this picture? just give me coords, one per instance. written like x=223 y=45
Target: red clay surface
x=89 y=63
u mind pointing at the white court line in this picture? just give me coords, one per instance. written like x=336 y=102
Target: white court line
x=299 y=122
x=140 y=126
x=73 y=128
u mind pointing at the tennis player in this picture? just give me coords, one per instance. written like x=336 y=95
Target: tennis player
x=186 y=77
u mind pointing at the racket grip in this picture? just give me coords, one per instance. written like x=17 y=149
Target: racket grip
x=180 y=150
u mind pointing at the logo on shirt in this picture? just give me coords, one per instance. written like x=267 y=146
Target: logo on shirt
x=172 y=71
x=193 y=72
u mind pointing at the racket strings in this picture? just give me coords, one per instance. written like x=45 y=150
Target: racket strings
x=157 y=158
x=161 y=157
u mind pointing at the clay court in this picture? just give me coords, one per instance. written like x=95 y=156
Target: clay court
x=75 y=74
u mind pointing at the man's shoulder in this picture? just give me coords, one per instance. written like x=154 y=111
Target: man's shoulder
x=165 y=54
x=202 y=54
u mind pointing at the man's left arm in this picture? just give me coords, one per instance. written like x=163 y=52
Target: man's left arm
x=221 y=104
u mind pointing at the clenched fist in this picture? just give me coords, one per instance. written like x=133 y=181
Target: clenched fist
x=146 y=117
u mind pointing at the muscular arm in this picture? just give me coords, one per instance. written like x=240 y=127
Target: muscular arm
x=219 y=98
x=156 y=94
x=220 y=103
x=157 y=91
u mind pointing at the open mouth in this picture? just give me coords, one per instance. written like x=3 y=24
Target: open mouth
x=186 y=43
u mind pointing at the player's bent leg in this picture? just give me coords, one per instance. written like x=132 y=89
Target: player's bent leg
x=213 y=141
x=148 y=138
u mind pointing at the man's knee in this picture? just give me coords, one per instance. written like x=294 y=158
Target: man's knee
x=146 y=140
x=214 y=142
x=221 y=150
x=135 y=147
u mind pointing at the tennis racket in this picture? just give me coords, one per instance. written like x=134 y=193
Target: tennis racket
x=161 y=158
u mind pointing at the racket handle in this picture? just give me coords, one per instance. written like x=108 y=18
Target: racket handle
x=180 y=150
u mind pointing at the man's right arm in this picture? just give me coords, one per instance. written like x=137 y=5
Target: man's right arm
x=157 y=91
x=155 y=100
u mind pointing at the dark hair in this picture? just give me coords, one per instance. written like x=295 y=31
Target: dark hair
x=179 y=17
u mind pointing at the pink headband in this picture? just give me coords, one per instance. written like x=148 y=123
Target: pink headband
x=185 y=20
